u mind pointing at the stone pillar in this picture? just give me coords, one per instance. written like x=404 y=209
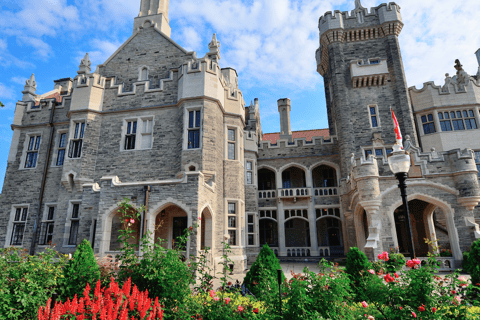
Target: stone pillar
x=278 y=179
x=312 y=219
x=366 y=175
x=284 y=108
x=282 y=251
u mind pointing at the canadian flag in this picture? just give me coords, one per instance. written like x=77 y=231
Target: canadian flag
x=397 y=130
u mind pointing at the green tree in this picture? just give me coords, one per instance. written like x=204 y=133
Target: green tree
x=474 y=262
x=1 y=104
x=79 y=271
x=263 y=272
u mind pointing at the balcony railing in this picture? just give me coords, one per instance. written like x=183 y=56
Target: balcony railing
x=268 y=194
x=294 y=192
x=325 y=191
x=298 y=252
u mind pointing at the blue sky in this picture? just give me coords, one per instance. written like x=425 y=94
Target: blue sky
x=271 y=44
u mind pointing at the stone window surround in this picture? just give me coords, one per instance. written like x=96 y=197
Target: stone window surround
x=371 y=148
x=140 y=70
x=239 y=156
x=8 y=237
x=436 y=119
x=240 y=221
x=25 y=147
x=71 y=135
x=56 y=142
x=185 y=126
x=379 y=123
x=45 y=218
x=139 y=134
x=68 y=222
x=252 y=170
x=255 y=229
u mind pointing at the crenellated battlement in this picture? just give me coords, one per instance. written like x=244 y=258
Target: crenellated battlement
x=298 y=143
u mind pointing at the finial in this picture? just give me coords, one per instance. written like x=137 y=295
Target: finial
x=31 y=82
x=214 y=47
x=358 y=4
x=478 y=57
x=214 y=42
x=85 y=64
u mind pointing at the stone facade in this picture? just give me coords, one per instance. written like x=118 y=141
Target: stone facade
x=198 y=151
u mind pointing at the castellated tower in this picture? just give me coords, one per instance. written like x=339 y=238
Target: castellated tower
x=154 y=12
x=360 y=60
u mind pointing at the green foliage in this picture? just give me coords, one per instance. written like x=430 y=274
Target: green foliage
x=356 y=268
x=395 y=262
x=79 y=271
x=26 y=282
x=262 y=275
x=1 y=104
x=474 y=262
x=466 y=262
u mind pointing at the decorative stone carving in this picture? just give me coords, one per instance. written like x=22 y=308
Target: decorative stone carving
x=29 y=89
x=358 y=4
x=85 y=64
x=214 y=47
x=462 y=77
x=478 y=59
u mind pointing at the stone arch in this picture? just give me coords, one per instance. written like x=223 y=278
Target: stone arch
x=206 y=236
x=444 y=206
x=297 y=232
x=264 y=166
x=293 y=181
x=143 y=73
x=293 y=164
x=329 y=164
x=361 y=232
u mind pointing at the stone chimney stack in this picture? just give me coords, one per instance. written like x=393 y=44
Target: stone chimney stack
x=153 y=13
x=284 y=108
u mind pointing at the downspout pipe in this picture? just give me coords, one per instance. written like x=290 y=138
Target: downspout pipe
x=44 y=179
x=143 y=225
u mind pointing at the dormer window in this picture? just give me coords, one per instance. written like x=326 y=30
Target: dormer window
x=376 y=61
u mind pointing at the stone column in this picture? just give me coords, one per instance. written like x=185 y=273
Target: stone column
x=313 y=228
x=282 y=251
x=438 y=128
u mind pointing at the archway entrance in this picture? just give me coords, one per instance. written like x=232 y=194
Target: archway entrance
x=297 y=233
x=120 y=224
x=420 y=212
x=170 y=223
x=329 y=236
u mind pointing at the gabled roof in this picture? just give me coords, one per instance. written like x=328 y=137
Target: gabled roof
x=56 y=95
x=307 y=134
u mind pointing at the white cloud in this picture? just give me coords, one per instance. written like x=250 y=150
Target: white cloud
x=19 y=80
x=6 y=92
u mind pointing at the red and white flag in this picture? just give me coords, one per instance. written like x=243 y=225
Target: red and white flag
x=397 y=130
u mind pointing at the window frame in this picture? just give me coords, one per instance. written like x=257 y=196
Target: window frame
x=46 y=222
x=73 y=137
x=477 y=161
x=57 y=149
x=240 y=225
x=26 y=150
x=254 y=224
x=12 y=222
x=376 y=115
x=428 y=123
x=187 y=129
x=238 y=143
x=68 y=224
x=139 y=135
x=251 y=171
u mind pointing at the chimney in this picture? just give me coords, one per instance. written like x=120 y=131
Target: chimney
x=153 y=13
x=284 y=108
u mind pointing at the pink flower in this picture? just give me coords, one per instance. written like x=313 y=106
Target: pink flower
x=199 y=218
x=364 y=304
x=413 y=314
x=388 y=278
x=216 y=298
x=413 y=263
x=212 y=293
x=383 y=256
x=132 y=221
x=227 y=300
x=371 y=318
x=396 y=275
x=240 y=308
x=371 y=271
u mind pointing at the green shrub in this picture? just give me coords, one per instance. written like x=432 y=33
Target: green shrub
x=27 y=282
x=474 y=262
x=395 y=262
x=263 y=272
x=466 y=262
x=79 y=271
x=357 y=263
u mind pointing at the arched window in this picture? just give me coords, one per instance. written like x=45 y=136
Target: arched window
x=293 y=177
x=144 y=74
x=268 y=232
x=324 y=176
x=266 y=180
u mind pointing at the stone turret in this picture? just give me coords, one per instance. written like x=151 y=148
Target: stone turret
x=153 y=13
x=284 y=108
x=466 y=179
x=30 y=88
x=214 y=46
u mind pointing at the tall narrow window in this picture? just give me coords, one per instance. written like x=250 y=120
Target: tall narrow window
x=374 y=117
x=445 y=123
x=19 y=221
x=469 y=117
x=367 y=153
x=61 y=149
x=75 y=150
x=428 y=124
x=130 y=135
x=457 y=120
x=249 y=177
x=75 y=222
x=32 y=152
x=194 y=129
x=46 y=236
x=231 y=144
x=232 y=223
x=251 y=230
x=147 y=131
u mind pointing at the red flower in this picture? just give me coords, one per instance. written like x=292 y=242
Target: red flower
x=255 y=310
x=434 y=309
x=453 y=292
x=190 y=228
x=396 y=275
x=383 y=256
x=388 y=278
x=401 y=308
x=229 y=283
x=421 y=308
x=240 y=308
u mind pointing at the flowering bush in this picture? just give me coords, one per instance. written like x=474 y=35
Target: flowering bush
x=107 y=304
x=26 y=282
x=395 y=262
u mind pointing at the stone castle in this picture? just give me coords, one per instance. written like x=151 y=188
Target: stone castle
x=171 y=131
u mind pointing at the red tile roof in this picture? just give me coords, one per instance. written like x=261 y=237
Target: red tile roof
x=308 y=134
x=55 y=95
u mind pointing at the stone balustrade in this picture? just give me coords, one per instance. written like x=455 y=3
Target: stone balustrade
x=267 y=194
x=298 y=252
x=294 y=192
x=326 y=191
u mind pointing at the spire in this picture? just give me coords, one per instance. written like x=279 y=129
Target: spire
x=84 y=66
x=214 y=47
x=153 y=13
x=30 y=88
x=358 y=5
x=478 y=59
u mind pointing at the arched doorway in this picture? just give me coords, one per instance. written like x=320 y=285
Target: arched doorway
x=206 y=230
x=329 y=236
x=170 y=223
x=419 y=214
x=118 y=224
x=293 y=177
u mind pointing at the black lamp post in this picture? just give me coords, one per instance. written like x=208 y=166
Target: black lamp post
x=399 y=162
